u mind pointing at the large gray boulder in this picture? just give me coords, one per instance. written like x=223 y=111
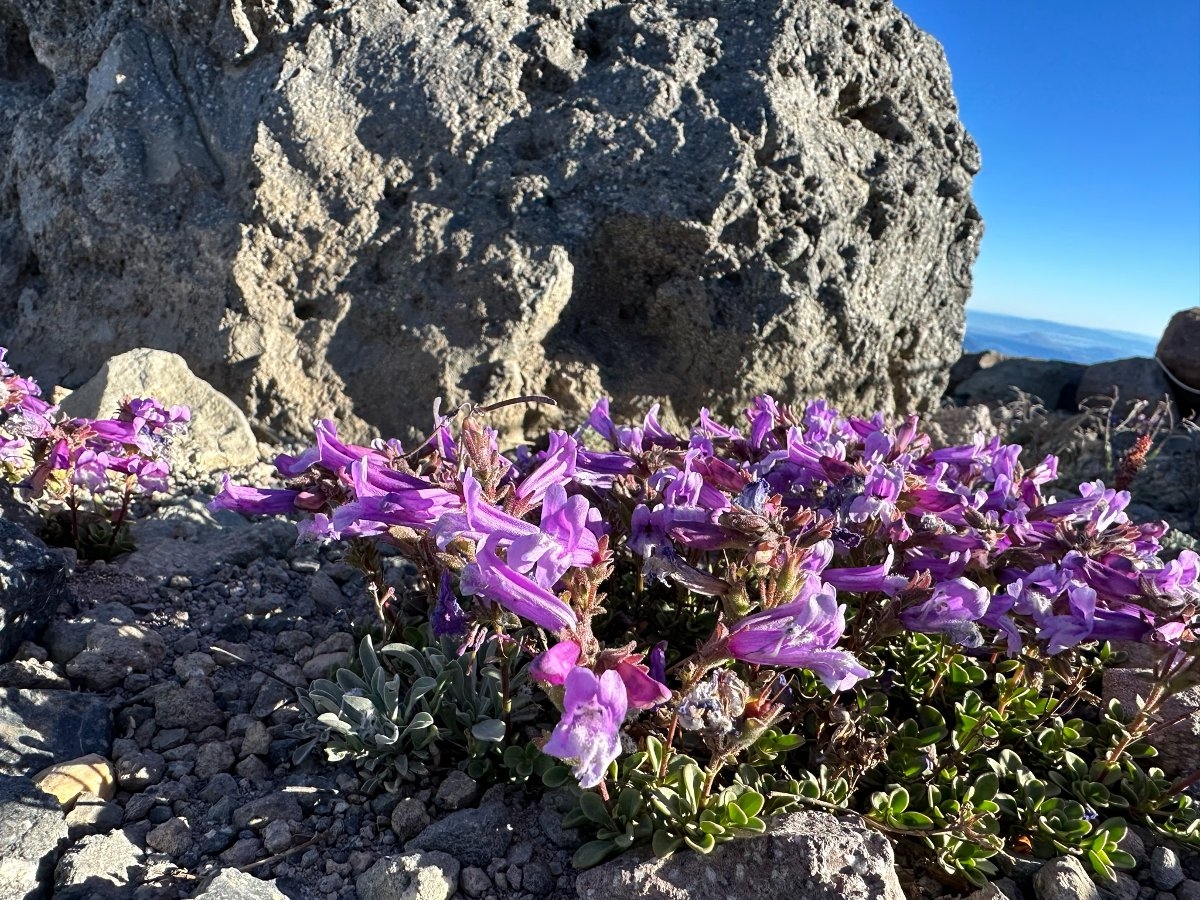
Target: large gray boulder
x=802 y=856
x=1179 y=347
x=349 y=207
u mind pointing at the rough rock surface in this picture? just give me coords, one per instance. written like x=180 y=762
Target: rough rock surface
x=1132 y=380
x=39 y=728
x=1178 y=746
x=231 y=884
x=31 y=586
x=349 y=208
x=810 y=855
x=1179 y=347
x=218 y=436
x=1052 y=381
x=31 y=829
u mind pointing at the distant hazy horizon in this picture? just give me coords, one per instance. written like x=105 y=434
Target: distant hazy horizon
x=1046 y=339
x=1147 y=330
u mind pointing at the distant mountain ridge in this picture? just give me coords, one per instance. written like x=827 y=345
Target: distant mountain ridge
x=1040 y=339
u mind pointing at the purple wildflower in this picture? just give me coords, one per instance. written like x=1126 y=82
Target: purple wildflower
x=954 y=609
x=593 y=710
x=492 y=579
x=554 y=665
x=447 y=617
x=251 y=501
x=802 y=633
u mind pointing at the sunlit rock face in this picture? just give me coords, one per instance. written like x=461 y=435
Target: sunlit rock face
x=350 y=209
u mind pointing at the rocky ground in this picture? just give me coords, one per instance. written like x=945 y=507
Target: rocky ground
x=176 y=665
x=163 y=683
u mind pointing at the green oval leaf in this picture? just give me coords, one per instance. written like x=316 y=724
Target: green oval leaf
x=592 y=854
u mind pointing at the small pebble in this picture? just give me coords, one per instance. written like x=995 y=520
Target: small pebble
x=1165 y=868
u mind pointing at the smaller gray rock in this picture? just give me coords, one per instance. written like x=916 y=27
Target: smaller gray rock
x=271 y=808
x=322 y=665
x=1052 y=381
x=457 y=790
x=92 y=815
x=988 y=892
x=242 y=853
x=173 y=837
x=551 y=824
x=325 y=592
x=828 y=856
x=1177 y=347
x=1064 y=878
x=1129 y=380
x=537 y=878
x=474 y=882
x=473 y=836
x=221 y=785
x=277 y=836
x=413 y=876
x=256 y=741
x=140 y=770
x=115 y=858
x=1123 y=887
x=194 y=665
x=1179 y=745
x=67 y=638
x=1188 y=889
x=218 y=436
x=1165 y=868
x=230 y=884
x=189 y=706
x=213 y=758
x=970 y=363
x=32 y=673
x=112 y=652
x=409 y=819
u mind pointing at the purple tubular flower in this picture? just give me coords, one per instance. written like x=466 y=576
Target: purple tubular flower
x=417 y=507
x=250 y=501
x=862 y=579
x=953 y=610
x=601 y=422
x=589 y=732
x=803 y=633
x=447 y=617
x=554 y=665
x=642 y=690
x=882 y=489
x=483 y=519
x=762 y=418
x=328 y=452
x=492 y=579
x=713 y=428
x=658 y=662
x=1179 y=578
x=12 y=451
x=564 y=540
x=556 y=468
x=600 y=469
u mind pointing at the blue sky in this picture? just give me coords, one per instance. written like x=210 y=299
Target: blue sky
x=1088 y=117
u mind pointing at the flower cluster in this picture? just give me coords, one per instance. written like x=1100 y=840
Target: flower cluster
x=49 y=453
x=803 y=539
